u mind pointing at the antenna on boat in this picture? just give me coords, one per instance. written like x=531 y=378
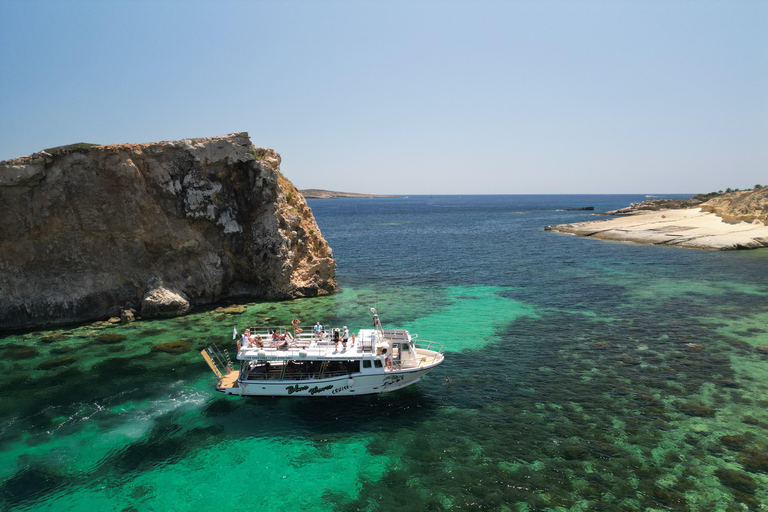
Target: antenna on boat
x=377 y=322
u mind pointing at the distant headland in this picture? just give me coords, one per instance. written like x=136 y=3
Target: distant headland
x=316 y=193
x=720 y=220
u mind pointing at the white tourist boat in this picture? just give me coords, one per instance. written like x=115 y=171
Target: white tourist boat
x=311 y=364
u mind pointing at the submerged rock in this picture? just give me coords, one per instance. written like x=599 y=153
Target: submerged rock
x=17 y=353
x=53 y=337
x=696 y=410
x=57 y=363
x=736 y=442
x=85 y=227
x=109 y=338
x=754 y=460
x=172 y=347
x=736 y=480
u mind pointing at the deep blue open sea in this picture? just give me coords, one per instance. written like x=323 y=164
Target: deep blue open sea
x=583 y=375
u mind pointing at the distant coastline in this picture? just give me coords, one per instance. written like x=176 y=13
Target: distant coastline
x=316 y=193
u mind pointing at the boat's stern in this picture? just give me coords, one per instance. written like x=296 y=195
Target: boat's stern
x=228 y=383
x=219 y=361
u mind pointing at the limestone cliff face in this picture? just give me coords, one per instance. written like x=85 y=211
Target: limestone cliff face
x=744 y=206
x=87 y=231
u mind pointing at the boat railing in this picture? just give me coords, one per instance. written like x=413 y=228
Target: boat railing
x=435 y=348
x=264 y=336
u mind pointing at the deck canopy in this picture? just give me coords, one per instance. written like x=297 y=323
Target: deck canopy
x=397 y=335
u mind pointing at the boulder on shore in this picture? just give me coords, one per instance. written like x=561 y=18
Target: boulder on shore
x=161 y=302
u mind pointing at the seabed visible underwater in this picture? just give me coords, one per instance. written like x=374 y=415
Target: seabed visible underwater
x=584 y=375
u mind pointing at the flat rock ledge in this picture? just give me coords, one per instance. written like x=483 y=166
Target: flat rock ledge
x=692 y=228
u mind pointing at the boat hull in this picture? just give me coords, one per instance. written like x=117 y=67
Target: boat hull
x=356 y=384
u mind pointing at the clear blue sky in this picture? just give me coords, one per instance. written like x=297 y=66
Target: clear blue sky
x=408 y=97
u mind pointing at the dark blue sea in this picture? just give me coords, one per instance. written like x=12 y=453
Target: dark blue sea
x=580 y=375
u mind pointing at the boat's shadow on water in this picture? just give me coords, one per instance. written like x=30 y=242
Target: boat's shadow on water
x=309 y=416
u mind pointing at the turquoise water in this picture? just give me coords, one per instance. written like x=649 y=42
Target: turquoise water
x=584 y=375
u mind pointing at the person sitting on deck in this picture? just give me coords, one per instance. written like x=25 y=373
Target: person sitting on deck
x=318 y=330
x=250 y=341
x=296 y=328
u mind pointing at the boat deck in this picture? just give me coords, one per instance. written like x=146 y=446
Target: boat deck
x=309 y=347
x=229 y=380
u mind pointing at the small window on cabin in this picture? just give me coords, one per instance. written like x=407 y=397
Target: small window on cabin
x=366 y=364
x=377 y=364
x=406 y=347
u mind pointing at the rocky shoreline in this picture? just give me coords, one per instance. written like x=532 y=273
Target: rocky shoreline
x=655 y=205
x=737 y=220
x=93 y=232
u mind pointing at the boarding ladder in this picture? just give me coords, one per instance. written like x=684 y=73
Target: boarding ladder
x=218 y=360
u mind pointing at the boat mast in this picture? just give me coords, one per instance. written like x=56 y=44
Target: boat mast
x=377 y=325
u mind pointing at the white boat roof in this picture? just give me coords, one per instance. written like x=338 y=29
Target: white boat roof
x=307 y=348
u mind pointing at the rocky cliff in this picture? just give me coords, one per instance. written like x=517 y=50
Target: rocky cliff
x=87 y=232
x=744 y=206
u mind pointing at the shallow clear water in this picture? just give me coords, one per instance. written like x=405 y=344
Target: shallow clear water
x=584 y=375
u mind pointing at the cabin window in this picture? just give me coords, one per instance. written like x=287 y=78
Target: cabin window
x=366 y=364
x=377 y=364
x=406 y=347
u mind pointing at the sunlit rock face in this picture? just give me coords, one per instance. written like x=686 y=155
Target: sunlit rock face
x=743 y=206
x=88 y=231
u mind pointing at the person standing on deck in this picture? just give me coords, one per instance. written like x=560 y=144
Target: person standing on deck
x=296 y=328
x=345 y=338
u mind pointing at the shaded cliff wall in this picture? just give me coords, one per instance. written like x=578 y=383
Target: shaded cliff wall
x=88 y=231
